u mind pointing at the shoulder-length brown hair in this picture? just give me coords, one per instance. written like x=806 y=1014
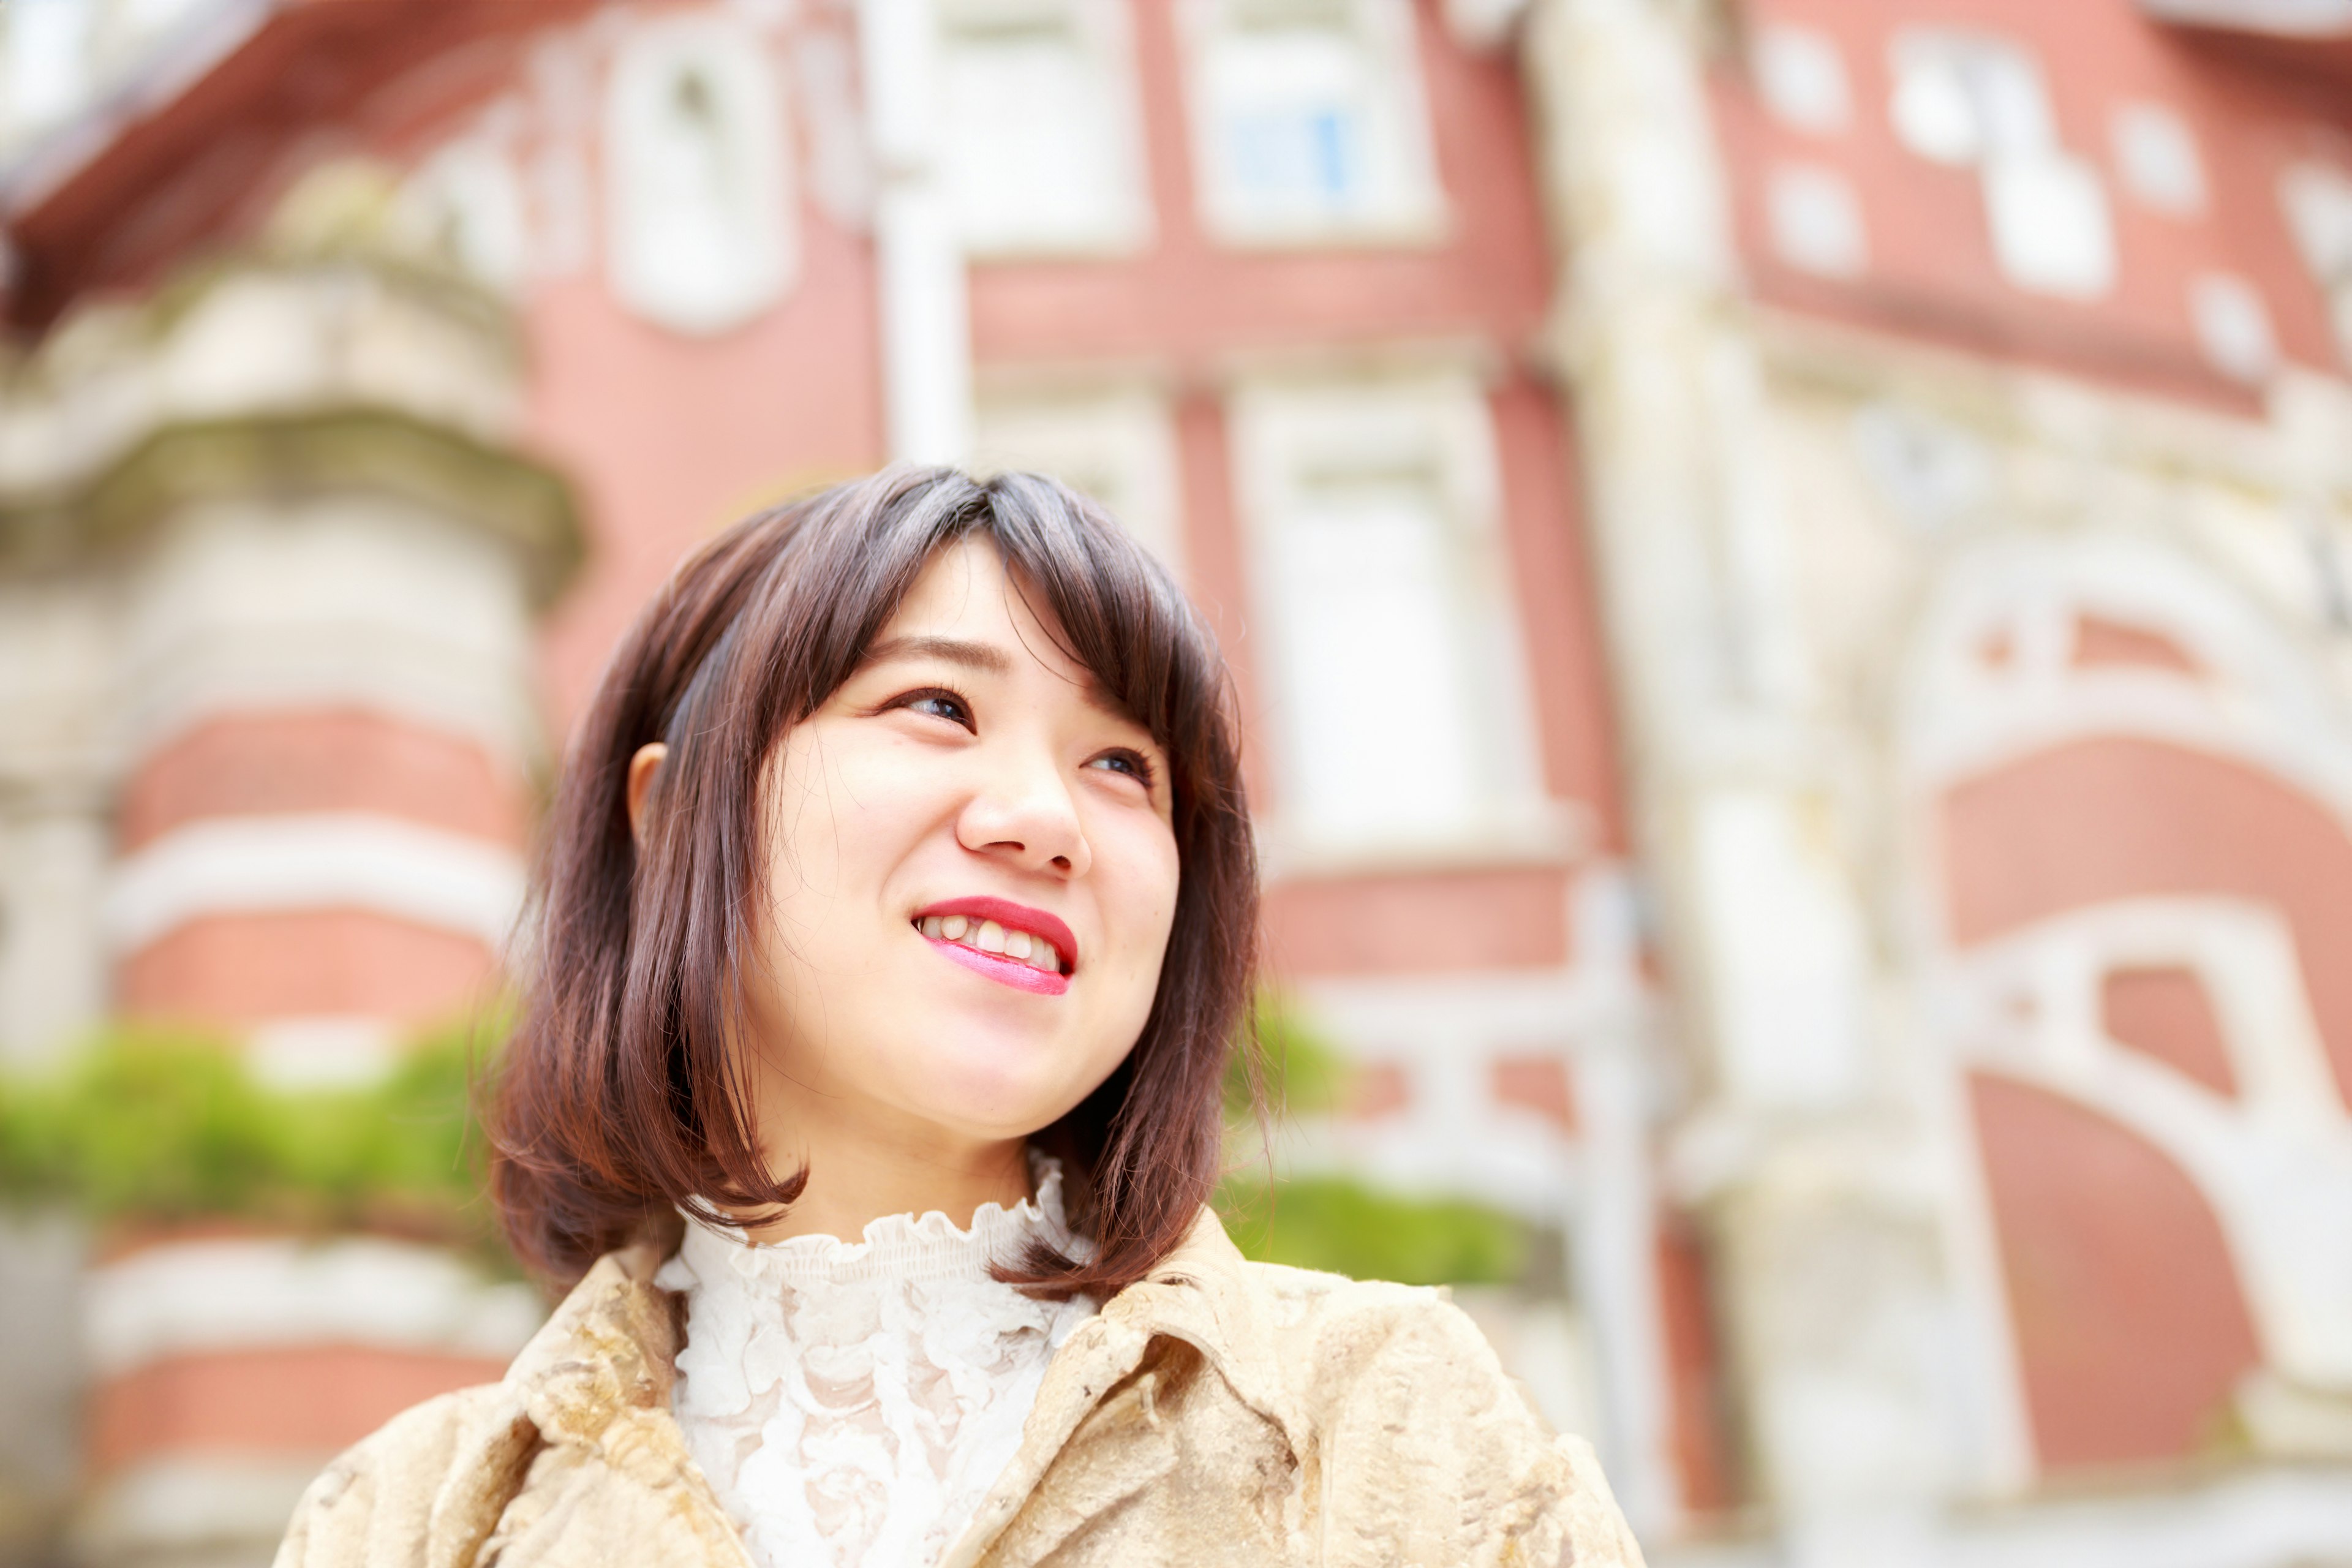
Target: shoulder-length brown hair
x=622 y=1094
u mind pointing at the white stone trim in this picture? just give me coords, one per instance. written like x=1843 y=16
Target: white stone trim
x=2284 y=19
x=1446 y=1031
x=699 y=262
x=323 y=1051
x=1107 y=128
x=2274 y=1161
x=258 y=1293
x=1300 y=441
x=1116 y=442
x=926 y=374
x=228 y=1507
x=2270 y=1519
x=2264 y=701
x=1403 y=202
x=252 y=865
x=344 y=602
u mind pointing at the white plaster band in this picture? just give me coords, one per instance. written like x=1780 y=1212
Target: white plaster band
x=277 y=1292
x=186 y=1503
x=256 y=864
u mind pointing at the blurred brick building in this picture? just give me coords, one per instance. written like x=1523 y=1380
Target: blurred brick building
x=1783 y=560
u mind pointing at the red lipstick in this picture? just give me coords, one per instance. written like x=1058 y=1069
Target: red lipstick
x=1011 y=972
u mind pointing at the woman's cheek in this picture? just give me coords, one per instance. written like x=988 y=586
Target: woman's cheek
x=1146 y=901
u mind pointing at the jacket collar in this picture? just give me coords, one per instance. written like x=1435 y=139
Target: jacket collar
x=1200 y=1293
x=612 y=1347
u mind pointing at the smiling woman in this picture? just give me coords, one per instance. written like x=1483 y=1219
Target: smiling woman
x=901 y=875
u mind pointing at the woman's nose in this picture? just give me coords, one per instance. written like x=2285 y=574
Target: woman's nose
x=1024 y=812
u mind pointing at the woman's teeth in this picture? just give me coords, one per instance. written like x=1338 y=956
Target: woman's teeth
x=990 y=937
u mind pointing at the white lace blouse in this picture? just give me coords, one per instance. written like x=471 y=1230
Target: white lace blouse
x=853 y=1401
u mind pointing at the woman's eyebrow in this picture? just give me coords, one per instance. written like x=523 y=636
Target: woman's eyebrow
x=980 y=656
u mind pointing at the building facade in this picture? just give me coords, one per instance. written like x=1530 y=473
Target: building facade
x=1781 y=562
x=1962 y=393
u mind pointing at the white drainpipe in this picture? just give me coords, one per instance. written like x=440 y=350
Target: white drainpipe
x=926 y=324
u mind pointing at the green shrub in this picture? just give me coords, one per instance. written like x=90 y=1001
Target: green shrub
x=1332 y=1222
x=142 y=1126
x=1298 y=1070
x=1344 y=1227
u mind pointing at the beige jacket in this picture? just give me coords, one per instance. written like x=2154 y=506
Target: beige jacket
x=1220 y=1411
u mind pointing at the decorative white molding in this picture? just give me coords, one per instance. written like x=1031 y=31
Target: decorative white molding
x=336 y=602
x=255 y=344
x=323 y=1052
x=52 y=970
x=1042 y=144
x=2262 y=699
x=2274 y=1161
x=226 y=1506
x=1800 y=74
x=251 y=865
x=1446 y=1032
x=701 y=206
x=926 y=324
x=2270 y=1519
x=1372 y=510
x=1117 y=444
x=2277 y=1518
x=2288 y=19
x=190 y=1298
x=1309 y=123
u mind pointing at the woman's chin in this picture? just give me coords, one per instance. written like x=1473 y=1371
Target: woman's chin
x=992 y=1089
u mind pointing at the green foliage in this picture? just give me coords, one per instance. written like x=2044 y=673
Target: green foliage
x=1343 y=1226
x=147 y=1127
x=1300 y=1072
x=1330 y=1222
x=142 y=1127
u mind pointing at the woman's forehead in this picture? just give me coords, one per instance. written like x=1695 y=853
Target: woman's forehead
x=964 y=595
x=966 y=608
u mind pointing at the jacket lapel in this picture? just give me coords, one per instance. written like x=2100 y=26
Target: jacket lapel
x=1198 y=1294
x=597 y=1378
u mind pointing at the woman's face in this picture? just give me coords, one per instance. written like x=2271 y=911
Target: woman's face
x=971 y=877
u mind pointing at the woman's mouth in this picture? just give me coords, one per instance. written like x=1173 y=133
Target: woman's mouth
x=1023 y=948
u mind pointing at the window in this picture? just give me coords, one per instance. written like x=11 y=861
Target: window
x=1801 y=78
x=2155 y=154
x=1308 y=120
x=1394 y=678
x=701 y=235
x=467 y=201
x=1980 y=102
x=1816 y=221
x=1042 y=148
x=128 y=28
x=1118 y=445
x=2318 y=202
x=47 y=62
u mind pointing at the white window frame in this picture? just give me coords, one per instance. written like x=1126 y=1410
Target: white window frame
x=2316 y=198
x=763 y=259
x=1287 y=434
x=1982 y=102
x=467 y=201
x=1407 y=206
x=1103 y=33
x=1078 y=434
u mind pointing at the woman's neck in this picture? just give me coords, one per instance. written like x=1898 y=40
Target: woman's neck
x=853 y=1181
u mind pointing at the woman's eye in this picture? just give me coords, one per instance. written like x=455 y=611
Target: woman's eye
x=1135 y=764
x=944 y=705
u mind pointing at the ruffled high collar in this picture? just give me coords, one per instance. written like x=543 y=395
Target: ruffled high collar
x=896 y=1247
x=851 y=1400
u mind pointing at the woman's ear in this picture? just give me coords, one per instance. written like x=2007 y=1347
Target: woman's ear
x=643 y=766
